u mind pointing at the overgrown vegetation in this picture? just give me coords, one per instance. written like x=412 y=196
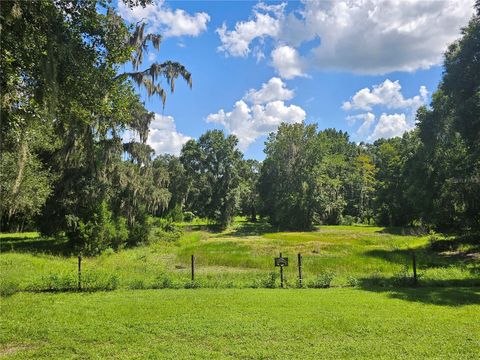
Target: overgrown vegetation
x=242 y=257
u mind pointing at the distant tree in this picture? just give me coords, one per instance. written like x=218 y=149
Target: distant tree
x=212 y=164
x=177 y=180
x=249 y=197
x=392 y=206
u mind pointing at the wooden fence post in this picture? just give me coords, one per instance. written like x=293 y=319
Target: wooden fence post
x=281 y=274
x=300 y=280
x=414 y=264
x=79 y=285
x=193 y=268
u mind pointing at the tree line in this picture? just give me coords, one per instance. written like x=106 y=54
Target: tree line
x=66 y=104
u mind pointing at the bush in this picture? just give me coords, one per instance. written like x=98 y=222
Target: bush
x=192 y=285
x=323 y=280
x=269 y=282
x=99 y=280
x=8 y=288
x=166 y=230
x=140 y=232
x=163 y=282
x=352 y=281
x=188 y=216
x=347 y=220
x=175 y=214
x=136 y=284
x=57 y=282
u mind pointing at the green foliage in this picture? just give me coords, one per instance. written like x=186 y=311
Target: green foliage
x=165 y=230
x=65 y=107
x=99 y=232
x=242 y=256
x=188 y=216
x=269 y=281
x=212 y=167
x=323 y=280
x=304 y=176
x=8 y=287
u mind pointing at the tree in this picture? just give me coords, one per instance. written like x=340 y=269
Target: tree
x=61 y=80
x=286 y=183
x=249 y=197
x=212 y=167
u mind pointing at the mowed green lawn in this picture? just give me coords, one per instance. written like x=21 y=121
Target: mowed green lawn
x=440 y=323
x=369 y=312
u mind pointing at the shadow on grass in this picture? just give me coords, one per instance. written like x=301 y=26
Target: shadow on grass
x=252 y=229
x=445 y=293
x=425 y=258
x=44 y=245
x=244 y=228
x=403 y=231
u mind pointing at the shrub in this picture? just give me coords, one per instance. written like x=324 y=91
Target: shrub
x=99 y=280
x=175 y=214
x=162 y=282
x=8 y=287
x=57 y=282
x=166 y=230
x=136 y=284
x=192 y=285
x=269 y=282
x=352 y=281
x=323 y=280
x=347 y=220
x=188 y=216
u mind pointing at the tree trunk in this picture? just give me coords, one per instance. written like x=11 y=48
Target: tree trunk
x=22 y=161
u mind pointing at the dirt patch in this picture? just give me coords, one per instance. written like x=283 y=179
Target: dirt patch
x=14 y=348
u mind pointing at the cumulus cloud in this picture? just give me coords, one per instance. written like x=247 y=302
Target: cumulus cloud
x=267 y=23
x=259 y=113
x=160 y=18
x=360 y=36
x=163 y=136
x=287 y=62
x=389 y=126
x=274 y=89
x=367 y=121
x=386 y=94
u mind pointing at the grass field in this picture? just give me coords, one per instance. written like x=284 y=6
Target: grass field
x=370 y=311
x=243 y=324
x=240 y=257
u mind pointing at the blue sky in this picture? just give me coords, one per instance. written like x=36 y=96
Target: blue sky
x=360 y=67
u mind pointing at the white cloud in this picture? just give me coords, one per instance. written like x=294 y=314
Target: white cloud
x=267 y=110
x=386 y=94
x=287 y=62
x=274 y=89
x=163 y=136
x=360 y=36
x=160 y=18
x=237 y=42
x=389 y=126
x=381 y=36
x=368 y=120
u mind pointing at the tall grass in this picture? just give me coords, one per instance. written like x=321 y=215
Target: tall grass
x=242 y=256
